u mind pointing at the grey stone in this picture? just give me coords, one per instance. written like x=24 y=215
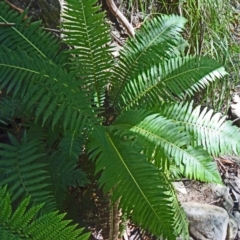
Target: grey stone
x=232 y=228
x=180 y=238
x=237 y=217
x=223 y=191
x=179 y=186
x=206 y=222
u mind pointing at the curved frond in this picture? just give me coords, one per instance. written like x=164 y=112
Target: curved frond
x=169 y=80
x=45 y=90
x=20 y=33
x=209 y=129
x=168 y=140
x=143 y=190
x=158 y=40
x=24 y=222
x=63 y=168
x=9 y=109
x=85 y=30
x=22 y=168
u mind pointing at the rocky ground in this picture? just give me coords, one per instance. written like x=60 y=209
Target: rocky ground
x=226 y=197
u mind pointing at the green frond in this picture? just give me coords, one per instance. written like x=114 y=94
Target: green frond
x=9 y=109
x=171 y=79
x=85 y=30
x=63 y=168
x=27 y=36
x=24 y=222
x=158 y=40
x=22 y=168
x=167 y=140
x=5 y=206
x=62 y=158
x=209 y=129
x=45 y=90
x=143 y=190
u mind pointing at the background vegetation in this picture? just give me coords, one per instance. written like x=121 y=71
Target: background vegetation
x=210 y=31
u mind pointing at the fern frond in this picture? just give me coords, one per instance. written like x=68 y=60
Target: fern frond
x=143 y=190
x=23 y=223
x=168 y=140
x=85 y=30
x=209 y=129
x=23 y=170
x=171 y=79
x=63 y=168
x=9 y=109
x=25 y=35
x=45 y=90
x=158 y=40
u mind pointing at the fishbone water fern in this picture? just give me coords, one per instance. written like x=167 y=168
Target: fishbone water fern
x=127 y=115
x=23 y=223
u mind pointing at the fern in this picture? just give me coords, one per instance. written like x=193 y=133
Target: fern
x=159 y=39
x=23 y=223
x=94 y=59
x=66 y=172
x=209 y=129
x=30 y=77
x=22 y=168
x=128 y=171
x=172 y=142
x=69 y=98
x=25 y=35
x=169 y=80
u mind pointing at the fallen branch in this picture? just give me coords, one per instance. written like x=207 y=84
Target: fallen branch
x=120 y=17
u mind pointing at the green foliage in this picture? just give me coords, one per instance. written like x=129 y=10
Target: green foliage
x=129 y=117
x=24 y=223
x=22 y=168
x=210 y=31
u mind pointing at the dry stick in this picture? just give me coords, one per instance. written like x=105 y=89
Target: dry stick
x=120 y=17
x=14 y=7
x=47 y=29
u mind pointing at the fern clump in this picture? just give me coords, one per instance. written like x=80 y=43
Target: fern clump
x=128 y=116
x=24 y=223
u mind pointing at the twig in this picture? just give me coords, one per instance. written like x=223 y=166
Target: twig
x=13 y=24
x=235 y=120
x=120 y=17
x=14 y=7
x=219 y=161
x=52 y=30
x=116 y=39
x=6 y=24
x=218 y=200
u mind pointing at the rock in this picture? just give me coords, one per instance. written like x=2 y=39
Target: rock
x=237 y=217
x=206 y=222
x=232 y=228
x=223 y=191
x=179 y=186
x=116 y=49
x=180 y=238
x=234 y=110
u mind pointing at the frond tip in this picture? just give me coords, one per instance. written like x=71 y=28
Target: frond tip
x=209 y=130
